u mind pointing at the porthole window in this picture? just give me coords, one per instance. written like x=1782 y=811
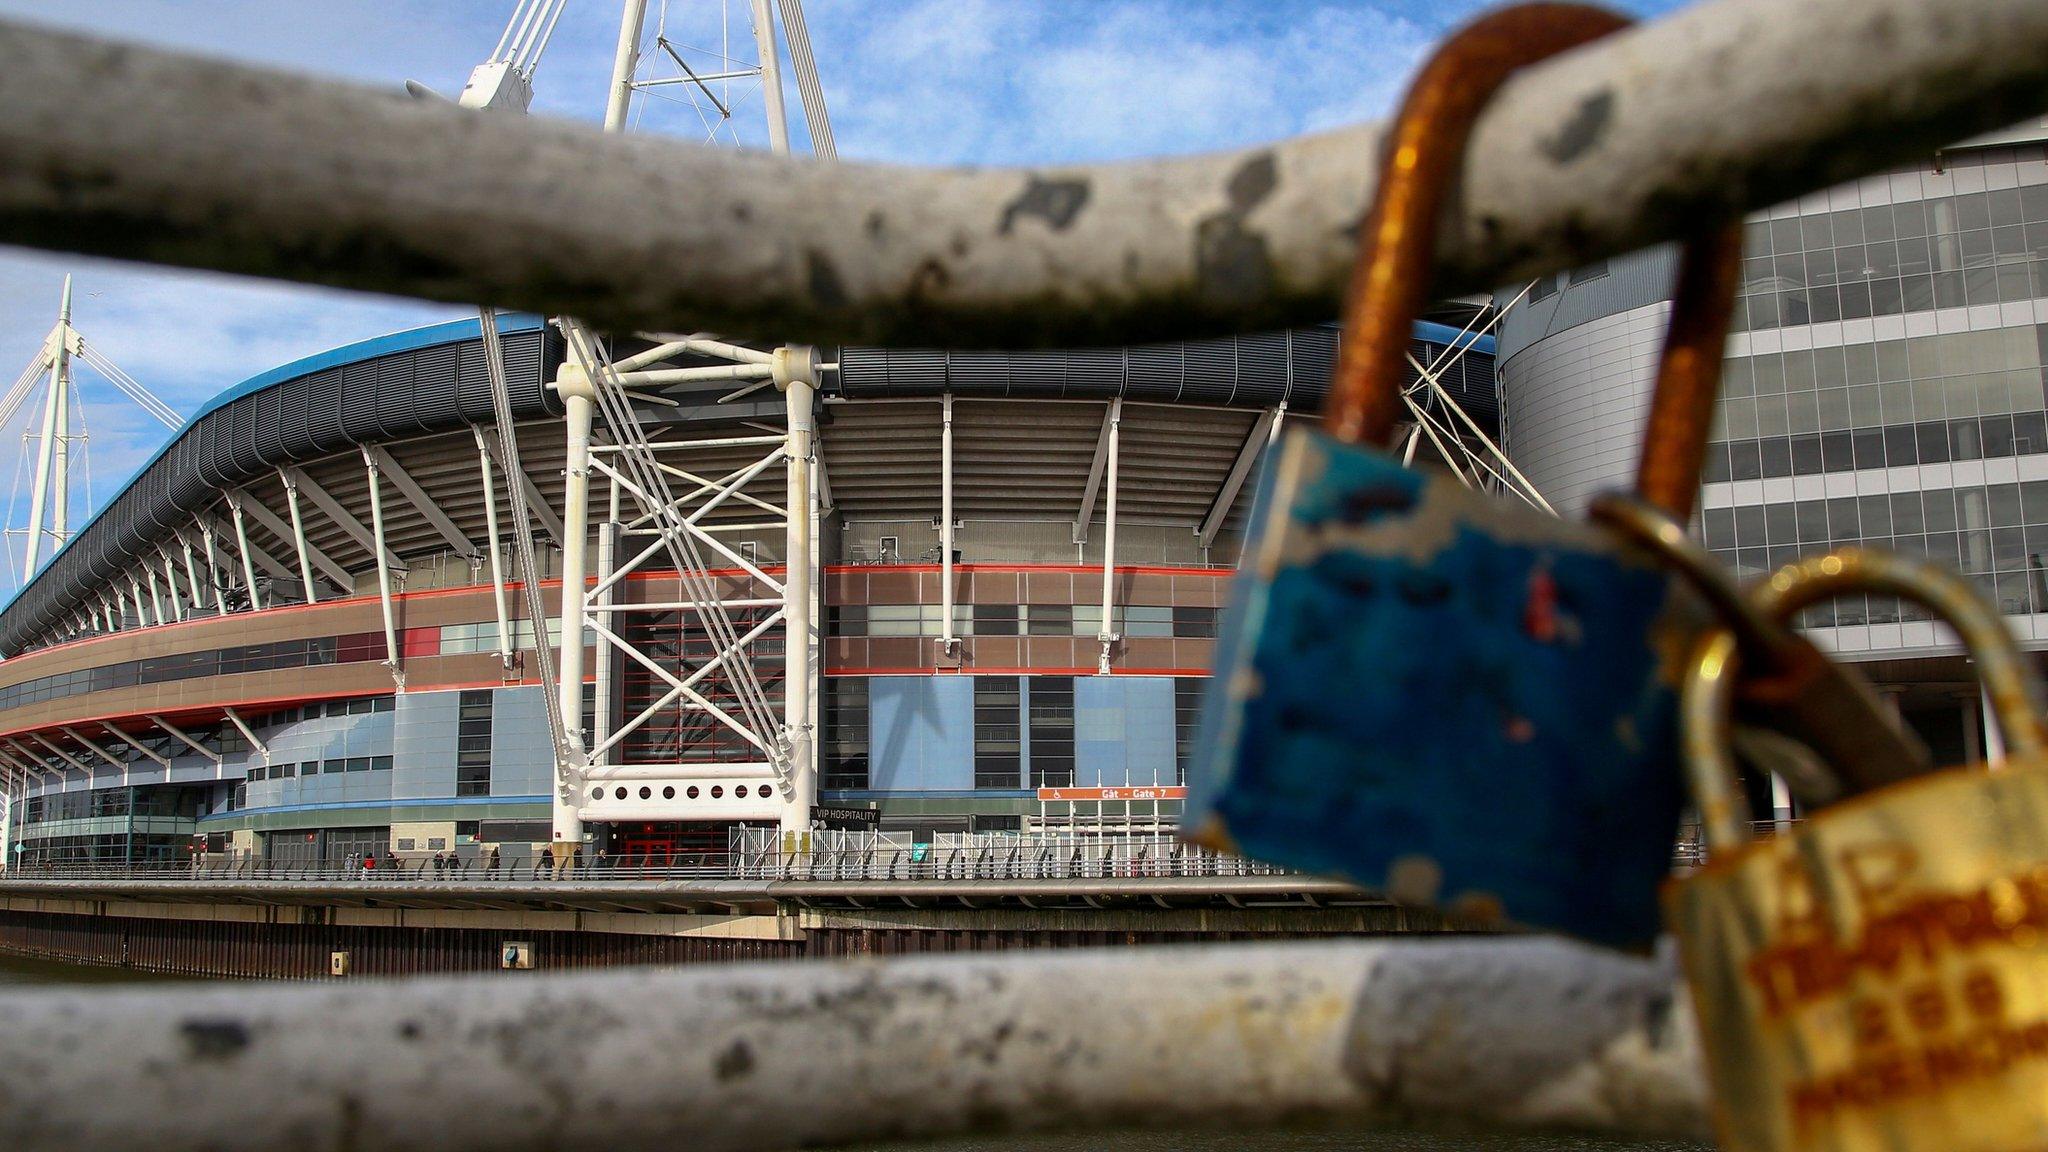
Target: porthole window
x=740 y=792
x=692 y=793
x=597 y=793
x=668 y=793
x=646 y=793
x=717 y=791
x=618 y=793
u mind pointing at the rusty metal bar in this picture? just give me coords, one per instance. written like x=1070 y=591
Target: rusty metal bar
x=778 y=1056
x=148 y=155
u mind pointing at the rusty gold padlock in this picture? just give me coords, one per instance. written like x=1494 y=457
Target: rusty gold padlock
x=1875 y=979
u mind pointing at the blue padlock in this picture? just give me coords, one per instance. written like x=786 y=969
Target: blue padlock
x=1428 y=691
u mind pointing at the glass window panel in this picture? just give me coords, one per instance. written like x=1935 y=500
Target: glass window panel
x=1837 y=451
x=1892 y=360
x=1802 y=412
x=1833 y=407
x=1931 y=442
x=1855 y=300
x=1781 y=524
x=1740 y=418
x=1806 y=456
x=1771 y=419
x=1776 y=456
x=1769 y=374
x=1749 y=526
x=1745 y=460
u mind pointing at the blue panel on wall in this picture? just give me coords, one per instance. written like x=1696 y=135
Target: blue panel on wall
x=920 y=733
x=1123 y=731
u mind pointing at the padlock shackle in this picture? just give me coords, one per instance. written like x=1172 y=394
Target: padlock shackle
x=2010 y=681
x=1706 y=699
x=1674 y=450
x=1425 y=148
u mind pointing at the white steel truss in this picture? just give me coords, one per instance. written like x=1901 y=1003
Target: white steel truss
x=652 y=525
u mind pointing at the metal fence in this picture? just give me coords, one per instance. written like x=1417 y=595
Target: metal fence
x=758 y=854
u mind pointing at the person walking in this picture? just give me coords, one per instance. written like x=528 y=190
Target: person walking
x=494 y=861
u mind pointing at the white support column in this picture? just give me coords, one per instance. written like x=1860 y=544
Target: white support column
x=417 y=496
x=170 y=579
x=291 y=499
x=136 y=743
x=248 y=734
x=771 y=79
x=179 y=735
x=799 y=674
x=578 y=402
x=624 y=64
x=67 y=757
x=341 y=517
x=392 y=657
x=142 y=618
x=490 y=487
x=1108 y=635
x=192 y=573
x=1256 y=441
x=242 y=545
x=949 y=644
x=220 y=594
x=118 y=763
x=51 y=461
x=156 y=601
x=1085 y=518
x=600 y=602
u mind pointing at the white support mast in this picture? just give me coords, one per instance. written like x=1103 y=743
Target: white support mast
x=52 y=453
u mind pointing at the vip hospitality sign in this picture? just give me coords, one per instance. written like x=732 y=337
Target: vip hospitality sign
x=841 y=818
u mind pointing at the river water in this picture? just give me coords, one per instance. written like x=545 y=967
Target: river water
x=16 y=973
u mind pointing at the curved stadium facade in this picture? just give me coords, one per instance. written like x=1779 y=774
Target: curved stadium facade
x=1884 y=385
x=171 y=680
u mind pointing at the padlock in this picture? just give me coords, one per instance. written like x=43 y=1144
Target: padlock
x=1875 y=977
x=1426 y=690
x=1450 y=700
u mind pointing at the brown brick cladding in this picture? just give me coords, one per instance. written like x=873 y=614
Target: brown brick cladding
x=1199 y=588
x=982 y=584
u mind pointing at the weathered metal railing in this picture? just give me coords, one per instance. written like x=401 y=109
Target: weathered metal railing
x=1022 y=859
x=1725 y=107
x=1729 y=106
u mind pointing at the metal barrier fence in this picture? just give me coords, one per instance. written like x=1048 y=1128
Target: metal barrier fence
x=147 y=155
x=1000 y=858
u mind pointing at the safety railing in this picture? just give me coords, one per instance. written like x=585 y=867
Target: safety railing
x=1021 y=858
x=1729 y=106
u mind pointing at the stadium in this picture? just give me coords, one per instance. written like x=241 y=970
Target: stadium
x=299 y=632
x=1883 y=386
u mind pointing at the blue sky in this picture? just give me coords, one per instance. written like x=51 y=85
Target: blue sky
x=918 y=81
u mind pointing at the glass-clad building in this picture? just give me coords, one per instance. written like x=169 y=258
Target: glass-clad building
x=1884 y=385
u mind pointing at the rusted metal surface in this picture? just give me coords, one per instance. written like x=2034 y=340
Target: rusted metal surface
x=1789 y=685
x=1421 y=154
x=1727 y=106
x=776 y=1056
x=2010 y=680
x=1674 y=448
